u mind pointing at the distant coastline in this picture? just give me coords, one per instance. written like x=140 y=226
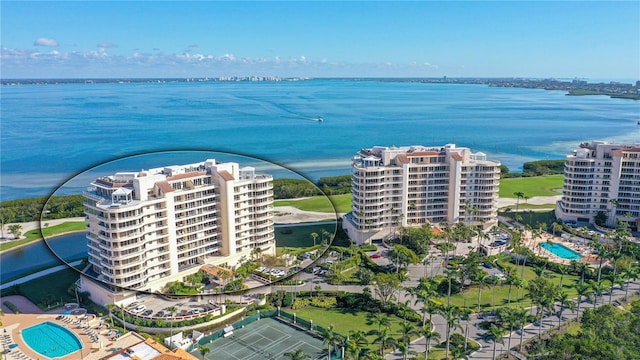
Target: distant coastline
x=613 y=89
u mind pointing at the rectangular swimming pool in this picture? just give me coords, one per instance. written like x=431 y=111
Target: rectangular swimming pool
x=561 y=251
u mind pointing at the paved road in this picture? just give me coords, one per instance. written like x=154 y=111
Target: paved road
x=530 y=331
x=415 y=272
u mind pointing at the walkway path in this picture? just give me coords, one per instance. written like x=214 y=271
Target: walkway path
x=536 y=200
x=38 y=274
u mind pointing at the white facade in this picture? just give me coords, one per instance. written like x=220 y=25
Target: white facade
x=601 y=176
x=147 y=228
x=414 y=185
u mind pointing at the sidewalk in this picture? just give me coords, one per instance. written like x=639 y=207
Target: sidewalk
x=38 y=274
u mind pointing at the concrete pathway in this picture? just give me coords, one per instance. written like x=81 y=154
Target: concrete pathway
x=38 y=274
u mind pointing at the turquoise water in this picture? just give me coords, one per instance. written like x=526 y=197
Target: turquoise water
x=561 y=251
x=51 y=340
x=51 y=132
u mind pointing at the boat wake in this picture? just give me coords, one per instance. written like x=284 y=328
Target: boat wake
x=302 y=117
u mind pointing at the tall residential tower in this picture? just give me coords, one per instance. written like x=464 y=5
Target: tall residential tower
x=601 y=177
x=147 y=228
x=414 y=185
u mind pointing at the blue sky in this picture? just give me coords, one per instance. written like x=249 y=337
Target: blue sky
x=584 y=39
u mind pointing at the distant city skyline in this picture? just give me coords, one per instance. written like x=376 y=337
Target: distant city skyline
x=587 y=39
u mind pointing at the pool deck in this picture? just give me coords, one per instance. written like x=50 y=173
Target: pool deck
x=32 y=315
x=584 y=250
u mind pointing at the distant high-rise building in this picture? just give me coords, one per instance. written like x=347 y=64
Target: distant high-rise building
x=601 y=177
x=414 y=185
x=150 y=227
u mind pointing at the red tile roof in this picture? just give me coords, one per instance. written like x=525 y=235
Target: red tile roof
x=424 y=153
x=164 y=186
x=225 y=175
x=187 y=175
x=402 y=158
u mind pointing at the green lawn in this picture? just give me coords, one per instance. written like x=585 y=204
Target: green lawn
x=300 y=236
x=531 y=186
x=53 y=286
x=49 y=231
x=344 y=320
x=320 y=203
x=518 y=296
x=533 y=217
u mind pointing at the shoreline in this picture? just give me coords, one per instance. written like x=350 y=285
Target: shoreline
x=36 y=225
x=39 y=239
x=289 y=215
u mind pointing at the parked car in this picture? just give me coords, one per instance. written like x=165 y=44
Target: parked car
x=139 y=309
x=147 y=312
x=375 y=256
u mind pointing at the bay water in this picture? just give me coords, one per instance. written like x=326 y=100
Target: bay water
x=50 y=133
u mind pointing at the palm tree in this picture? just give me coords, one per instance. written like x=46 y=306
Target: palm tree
x=495 y=334
x=172 y=310
x=450 y=274
x=256 y=253
x=583 y=268
x=385 y=339
x=298 y=354
x=124 y=321
x=598 y=288
x=355 y=343
x=564 y=301
x=510 y=272
x=632 y=273
x=330 y=339
x=408 y=329
x=519 y=195
x=520 y=315
x=205 y=350
x=482 y=281
x=563 y=270
x=452 y=316
x=466 y=312
x=314 y=236
x=556 y=227
x=457 y=353
x=429 y=335
x=613 y=258
x=582 y=290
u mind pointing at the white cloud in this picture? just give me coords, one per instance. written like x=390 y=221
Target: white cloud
x=107 y=44
x=45 y=42
x=18 y=63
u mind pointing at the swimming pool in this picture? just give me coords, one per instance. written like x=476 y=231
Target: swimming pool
x=561 y=251
x=51 y=340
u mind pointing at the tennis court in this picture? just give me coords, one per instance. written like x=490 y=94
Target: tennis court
x=265 y=339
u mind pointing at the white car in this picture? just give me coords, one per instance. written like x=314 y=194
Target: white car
x=139 y=309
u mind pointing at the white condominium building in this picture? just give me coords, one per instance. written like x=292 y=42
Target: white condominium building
x=601 y=177
x=147 y=228
x=414 y=185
